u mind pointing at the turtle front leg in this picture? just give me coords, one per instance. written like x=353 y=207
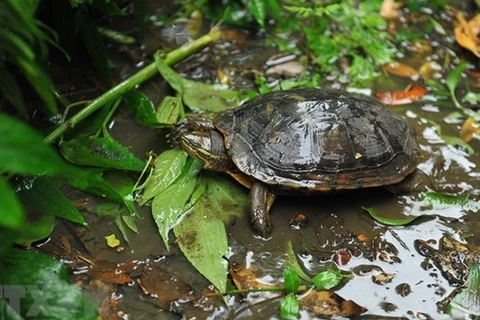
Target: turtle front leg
x=261 y=200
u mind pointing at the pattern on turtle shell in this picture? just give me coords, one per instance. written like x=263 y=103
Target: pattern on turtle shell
x=319 y=139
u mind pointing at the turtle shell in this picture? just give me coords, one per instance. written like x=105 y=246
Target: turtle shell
x=323 y=140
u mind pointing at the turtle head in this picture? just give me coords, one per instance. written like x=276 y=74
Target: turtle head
x=209 y=148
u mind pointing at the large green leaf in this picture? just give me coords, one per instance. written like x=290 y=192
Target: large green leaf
x=36 y=286
x=11 y=211
x=93 y=181
x=44 y=198
x=23 y=151
x=203 y=241
x=175 y=200
x=201 y=234
x=168 y=166
x=101 y=152
x=199 y=96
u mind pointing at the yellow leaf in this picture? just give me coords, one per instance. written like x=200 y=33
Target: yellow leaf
x=469 y=130
x=401 y=70
x=112 y=241
x=465 y=35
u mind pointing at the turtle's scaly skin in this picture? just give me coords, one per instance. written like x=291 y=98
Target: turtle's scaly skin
x=318 y=140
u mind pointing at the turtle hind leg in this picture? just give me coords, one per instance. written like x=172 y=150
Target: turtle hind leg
x=416 y=181
x=261 y=200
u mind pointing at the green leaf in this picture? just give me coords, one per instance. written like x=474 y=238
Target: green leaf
x=289 y=307
x=467 y=301
x=226 y=198
x=389 y=221
x=201 y=234
x=116 y=36
x=291 y=280
x=168 y=167
x=141 y=106
x=167 y=114
x=258 y=8
x=203 y=241
x=174 y=201
x=453 y=78
x=293 y=263
x=44 y=198
x=274 y=8
x=199 y=96
x=23 y=151
x=169 y=110
x=12 y=216
x=326 y=280
x=457 y=141
x=39 y=286
x=123 y=185
x=445 y=199
x=37 y=228
x=101 y=152
x=92 y=180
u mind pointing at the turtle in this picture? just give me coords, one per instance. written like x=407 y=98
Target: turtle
x=305 y=141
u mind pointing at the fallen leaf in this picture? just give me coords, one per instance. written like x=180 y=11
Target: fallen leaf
x=112 y=241
x=326 y=303
x=469 y=130
x=430 y=69
x=164 y=286
x=245 y=278
x=401 y=70
x=112 y=272
x=474 y=24
x=390 y=9
x=465 y=36
x=412 y=93
x=383 y=278
x=109 y=308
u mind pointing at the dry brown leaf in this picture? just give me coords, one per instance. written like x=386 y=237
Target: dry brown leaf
x=465 y=36
x=390 y=9
x=328 y=304
x=401 y=70
x=469 y=130
x=383 y=278
x=245 y=278
x=164 y=286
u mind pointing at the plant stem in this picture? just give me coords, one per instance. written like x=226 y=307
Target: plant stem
x=139 y=77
